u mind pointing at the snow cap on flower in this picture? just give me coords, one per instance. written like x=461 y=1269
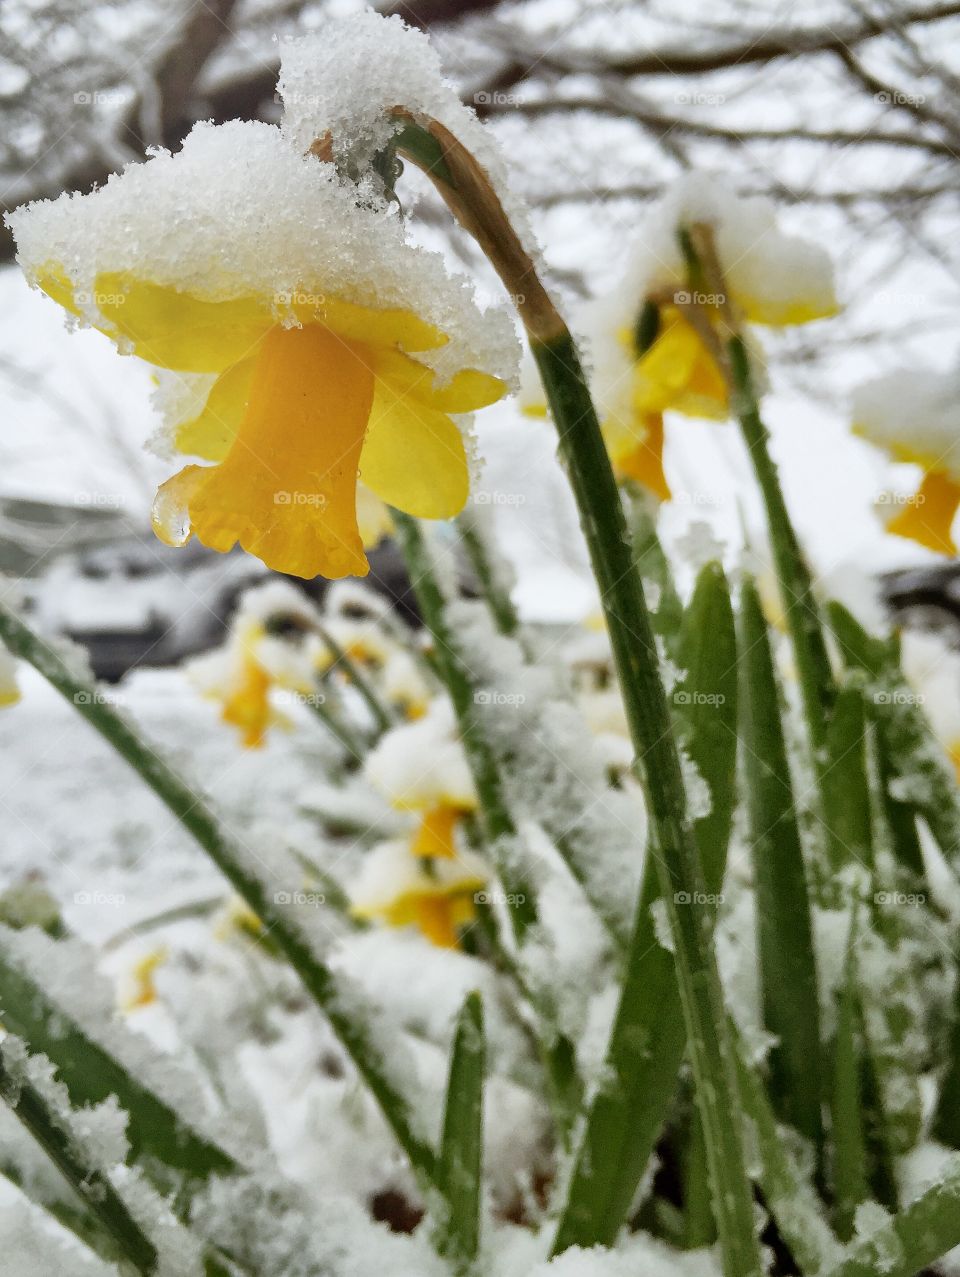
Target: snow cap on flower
x=773 y=278
x=914 y=416
x=422 y=764
x=397 y=888
x=338 y=348
x=342 y=82
x=9 y=691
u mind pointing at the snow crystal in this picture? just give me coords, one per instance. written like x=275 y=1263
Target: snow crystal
x=238 y=213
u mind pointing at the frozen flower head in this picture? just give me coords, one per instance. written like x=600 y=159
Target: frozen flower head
x=656 y=340
x=403 y=891
x=915 y=417
x=421 y=767
x=271 y=644
x=9 y=691
x=331 y=347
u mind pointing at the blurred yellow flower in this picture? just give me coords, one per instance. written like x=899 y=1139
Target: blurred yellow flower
x=438 y=897
x=914 y=417
x=9 y=691
x=141 y=990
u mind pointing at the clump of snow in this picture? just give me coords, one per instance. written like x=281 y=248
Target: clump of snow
x=31 y=1247
x=238 y=213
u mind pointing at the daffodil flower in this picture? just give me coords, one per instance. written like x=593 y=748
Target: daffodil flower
x=437 y=897
x=256 y=659
x=331 y=347
x=421 y=767
x=653 y=341
x=914 y=417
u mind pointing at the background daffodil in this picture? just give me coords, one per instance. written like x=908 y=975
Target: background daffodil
x=655 y=340
x=330 y=347
x=914 y=416
x=421 y=767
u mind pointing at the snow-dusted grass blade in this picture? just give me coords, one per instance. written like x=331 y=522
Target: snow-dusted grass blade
x=119 y=1231
x=460 y=1168
x=788 y=972
x=919 y=768
x=195 y=814
x=789 y=1196
x=849 y=1161
x=91 y=1074
x=946 y=1117
x=648 y=1037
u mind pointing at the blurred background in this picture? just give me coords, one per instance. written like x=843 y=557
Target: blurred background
x=846 y=114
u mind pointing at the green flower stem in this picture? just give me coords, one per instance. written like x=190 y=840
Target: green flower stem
x=91 y=1185
x=469 y=194
x=657 y=765
x=338 y=729
x=197 y=818
x=381 y=714
x=496 y=819
x=796 y=587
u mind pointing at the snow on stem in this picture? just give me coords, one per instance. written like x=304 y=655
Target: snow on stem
x=194 y=813
x=469 y=194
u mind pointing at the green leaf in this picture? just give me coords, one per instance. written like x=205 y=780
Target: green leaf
x=666 y=609
x=91 y=1074
x=918 y=1235
x=460 y=1167
x=845 y=785
x=788 y=972
x=648 y=1037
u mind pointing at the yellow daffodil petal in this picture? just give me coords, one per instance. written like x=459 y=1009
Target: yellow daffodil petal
x=248 y=706
x=142 y=989
x=466 y=391
x=210 y=434
x=286 y=490
x=643 y=462
x=679 y=373
x=413 y=458
x=929 y=517
x=171 y=329
x=437 y=833
x=400 y=328
x=794 y=310
x=437 y=914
